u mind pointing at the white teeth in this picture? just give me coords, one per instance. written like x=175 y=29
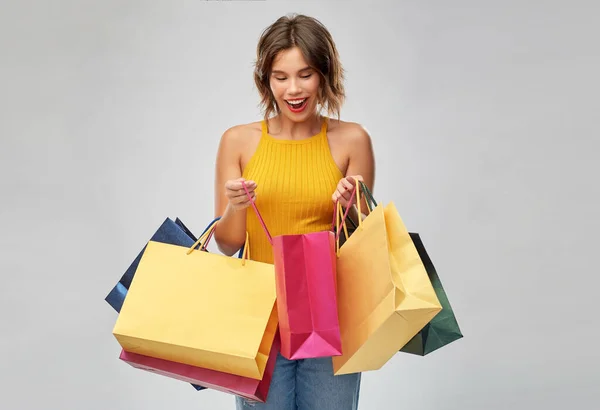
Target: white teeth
x=296 y=101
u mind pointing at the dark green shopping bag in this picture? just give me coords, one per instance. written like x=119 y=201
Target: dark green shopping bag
x=443 y=328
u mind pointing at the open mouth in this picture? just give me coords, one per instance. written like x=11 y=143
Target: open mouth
x=297 y=105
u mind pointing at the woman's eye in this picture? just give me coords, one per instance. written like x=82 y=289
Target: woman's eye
x=302 y=76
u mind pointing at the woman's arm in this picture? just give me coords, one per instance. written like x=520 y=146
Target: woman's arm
x=231 y=200
x=361 y=166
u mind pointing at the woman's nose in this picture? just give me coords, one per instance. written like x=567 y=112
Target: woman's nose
x=294 y=87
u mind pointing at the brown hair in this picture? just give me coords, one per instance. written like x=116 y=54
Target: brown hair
x=318 y=49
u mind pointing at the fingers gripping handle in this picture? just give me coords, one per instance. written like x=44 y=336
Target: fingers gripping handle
x=338 y=228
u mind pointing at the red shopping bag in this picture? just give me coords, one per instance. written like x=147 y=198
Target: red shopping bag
x=246 y=387
x=305 y=280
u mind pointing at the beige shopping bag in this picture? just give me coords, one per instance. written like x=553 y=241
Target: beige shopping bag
x=385 y=296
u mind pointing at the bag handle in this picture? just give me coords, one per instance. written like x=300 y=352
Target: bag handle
x=339 y=219
x=371 y=203
x=355 y=192
x=258 y=215
x=240 y=253
x=206 y=236
x=246 y=250
x=341 y=223
x=335 y=214
x=337 y=211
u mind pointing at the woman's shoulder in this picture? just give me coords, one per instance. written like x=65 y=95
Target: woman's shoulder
x=347 y=132
x=242 y=132
x=239 y=139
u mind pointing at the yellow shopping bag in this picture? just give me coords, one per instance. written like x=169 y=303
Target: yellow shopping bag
x=384 y=294
x=202 y=309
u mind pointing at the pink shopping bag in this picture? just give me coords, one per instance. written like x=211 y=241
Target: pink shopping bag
x=305 y=279
x=248 y=388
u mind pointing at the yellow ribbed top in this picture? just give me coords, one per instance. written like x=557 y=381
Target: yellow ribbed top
x=295 y=180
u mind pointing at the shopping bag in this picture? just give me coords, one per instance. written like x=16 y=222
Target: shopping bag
x=202 y=309
x=169 y=232
x=248 y=388
x=384 y=294
x=443 y=328
x=173 y=232
x=305 y=273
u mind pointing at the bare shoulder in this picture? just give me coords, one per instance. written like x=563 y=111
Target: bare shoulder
x=347 y=132
x=242 y=133
x=239 y=142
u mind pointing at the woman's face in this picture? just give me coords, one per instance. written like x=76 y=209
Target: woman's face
x=294 y=85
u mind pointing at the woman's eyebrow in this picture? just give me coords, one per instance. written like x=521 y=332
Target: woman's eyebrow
x=284 y=73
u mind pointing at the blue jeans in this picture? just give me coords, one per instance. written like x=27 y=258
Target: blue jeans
x=307 y=384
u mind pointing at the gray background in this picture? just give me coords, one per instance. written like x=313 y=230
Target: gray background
x=484 y=118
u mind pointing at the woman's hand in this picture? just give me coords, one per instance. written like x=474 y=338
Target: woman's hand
x=235 y=193
x=344 y=190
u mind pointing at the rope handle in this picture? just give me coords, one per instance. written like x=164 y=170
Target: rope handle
x=258 y=215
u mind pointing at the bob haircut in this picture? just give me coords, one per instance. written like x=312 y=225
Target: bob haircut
x=319 y=50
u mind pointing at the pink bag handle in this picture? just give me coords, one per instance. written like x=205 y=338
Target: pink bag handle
x=335 y=210
x=258 y=215
x=262 y=222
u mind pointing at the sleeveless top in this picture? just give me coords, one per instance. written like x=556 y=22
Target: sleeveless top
x=295 y=181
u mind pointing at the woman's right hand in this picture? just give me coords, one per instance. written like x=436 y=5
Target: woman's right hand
x=238 y=199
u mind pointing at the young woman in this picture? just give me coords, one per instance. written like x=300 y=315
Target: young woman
x=296 y=164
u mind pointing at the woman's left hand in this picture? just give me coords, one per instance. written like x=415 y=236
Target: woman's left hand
x=344 y=190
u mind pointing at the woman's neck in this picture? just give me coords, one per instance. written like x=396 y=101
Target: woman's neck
x=284 y=128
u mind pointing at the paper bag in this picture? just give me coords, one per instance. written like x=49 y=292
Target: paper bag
x=173 y=232
x=248 y=388
x=443 y=328
x=385 y=296
x=202 y=309
x=305 y=273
